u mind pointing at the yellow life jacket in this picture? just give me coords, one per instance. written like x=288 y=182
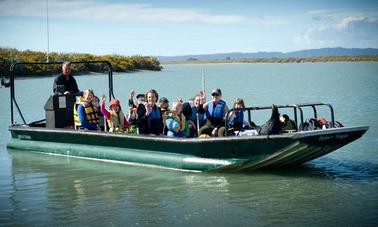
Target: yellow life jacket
x=91 y=113
x=116 y=122
x=132 y=129
x=181 y=119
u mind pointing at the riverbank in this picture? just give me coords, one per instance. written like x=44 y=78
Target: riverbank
x=362 y=58
x=120 y=63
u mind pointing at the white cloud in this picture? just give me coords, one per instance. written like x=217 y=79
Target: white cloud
x=349 y=31
x=112 y=11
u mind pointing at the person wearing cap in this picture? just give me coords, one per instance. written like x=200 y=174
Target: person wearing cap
x=149 y=116
x=140 y=98
x=164 y=108
x=66 y=80
x=215 y=111
x=85 y=115
x=115 y=117
x=163 y=105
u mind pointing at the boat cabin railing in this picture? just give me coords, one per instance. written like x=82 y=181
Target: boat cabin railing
x=296 y=108
x=14 y=66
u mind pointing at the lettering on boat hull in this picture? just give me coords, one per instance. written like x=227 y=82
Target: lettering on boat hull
x=24 y=137
x=331 y=137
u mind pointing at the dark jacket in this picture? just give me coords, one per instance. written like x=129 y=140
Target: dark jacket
x=147 y=126
x=273 y=125
x=69 y=85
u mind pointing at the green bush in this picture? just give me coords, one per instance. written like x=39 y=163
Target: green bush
x=120 y=63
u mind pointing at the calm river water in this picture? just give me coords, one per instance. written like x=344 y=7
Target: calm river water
x=340 y=189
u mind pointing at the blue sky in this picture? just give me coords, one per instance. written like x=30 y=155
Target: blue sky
x=188 y=27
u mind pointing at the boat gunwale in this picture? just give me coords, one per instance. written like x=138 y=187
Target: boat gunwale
x=321 y=132
x=294 y=135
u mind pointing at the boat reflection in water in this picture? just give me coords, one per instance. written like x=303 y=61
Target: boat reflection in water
x=71 y=190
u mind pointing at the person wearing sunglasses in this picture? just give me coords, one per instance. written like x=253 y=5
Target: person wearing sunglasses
x=215 y=111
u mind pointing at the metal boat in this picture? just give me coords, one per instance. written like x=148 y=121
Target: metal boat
x=230 y=153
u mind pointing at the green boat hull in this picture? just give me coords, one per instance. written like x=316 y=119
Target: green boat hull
x=194 y=154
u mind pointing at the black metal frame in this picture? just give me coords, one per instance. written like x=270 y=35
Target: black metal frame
x=295 y=107
x=13 y=75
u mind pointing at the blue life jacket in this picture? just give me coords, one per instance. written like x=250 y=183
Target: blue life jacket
x=155 y=114
x=201 y=116
x=172 y=123
x=194 y=114
x=215 y=111
x=237 y=118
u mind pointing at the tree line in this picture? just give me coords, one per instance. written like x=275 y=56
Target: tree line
x=120 y=63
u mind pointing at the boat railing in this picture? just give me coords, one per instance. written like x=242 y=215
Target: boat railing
x=313 y=106
x=14 y=66
x=297 y=108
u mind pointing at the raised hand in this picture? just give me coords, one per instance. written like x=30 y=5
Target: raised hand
x=148 y=108
x=201 y=94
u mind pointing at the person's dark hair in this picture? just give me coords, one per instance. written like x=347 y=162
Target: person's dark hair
x=186 y=109
x=239 y=100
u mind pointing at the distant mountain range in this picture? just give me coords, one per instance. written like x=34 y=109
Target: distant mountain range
x=336 y=51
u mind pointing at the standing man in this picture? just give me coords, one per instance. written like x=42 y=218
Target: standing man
x=66 y=80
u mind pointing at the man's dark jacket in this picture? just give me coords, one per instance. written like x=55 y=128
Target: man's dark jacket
x=69 y=85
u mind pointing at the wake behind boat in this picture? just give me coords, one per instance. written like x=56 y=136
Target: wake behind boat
x=246 y=151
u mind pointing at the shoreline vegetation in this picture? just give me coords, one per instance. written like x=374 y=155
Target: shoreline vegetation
x=331 y=58
x=120 y=63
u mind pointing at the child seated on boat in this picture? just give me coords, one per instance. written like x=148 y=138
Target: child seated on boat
x=235 y=119
x=85 y=115
x=188 y=112
x=164 y=109
x=96 y=105
x=197 y=118
x=149 y=117
x=176 y=123
x=132 y=114
x=164 y=105
x=115 y=117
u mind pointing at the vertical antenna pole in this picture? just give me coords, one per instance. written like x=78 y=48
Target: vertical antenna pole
x=203 y=81
x=47 y=29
